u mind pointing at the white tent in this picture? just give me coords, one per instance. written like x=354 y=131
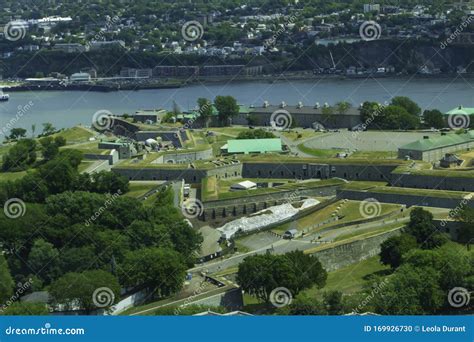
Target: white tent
x=245 y=185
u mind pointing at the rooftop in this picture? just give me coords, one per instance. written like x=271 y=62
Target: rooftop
x=432 y=143
x=461 y=111
x=302 y=109
x=253 y=145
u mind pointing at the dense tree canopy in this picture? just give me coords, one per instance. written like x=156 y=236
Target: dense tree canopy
x=260 y=274
x=83 y=290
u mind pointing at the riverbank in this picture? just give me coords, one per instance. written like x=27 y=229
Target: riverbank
x=184 y=82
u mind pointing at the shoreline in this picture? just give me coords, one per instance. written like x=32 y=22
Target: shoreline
x=183 y=83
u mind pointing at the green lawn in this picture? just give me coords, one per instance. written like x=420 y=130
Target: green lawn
x=88 y=148
x=362 y=185
x=84 y=165
x=373 y=155
x=11 y=176
x=224 y=192
x=420 y=192
x=352 y=278
x=300 y=134
x=137 y=190
x=75 y=135
x=320 y=153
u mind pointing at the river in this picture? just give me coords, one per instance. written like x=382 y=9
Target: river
x=65 y=109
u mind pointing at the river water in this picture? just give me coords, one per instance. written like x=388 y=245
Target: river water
x=65 y=109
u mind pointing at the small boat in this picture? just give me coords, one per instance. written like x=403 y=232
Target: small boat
x=4 y=97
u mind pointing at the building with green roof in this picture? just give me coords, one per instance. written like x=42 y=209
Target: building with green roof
x=460 y=110
x=431 y=149
x=246 y=146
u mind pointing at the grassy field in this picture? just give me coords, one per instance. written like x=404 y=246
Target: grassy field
x=421 y=192
x=362 y=185
x=138 y=189
x=373 y=155
x=319 y=153
x=88 y=147
x=300 y=134
x=352 y=278
x=84 y=165
x=11 y=176
x=231 y=132
x=277 y=158
x=222 y=187
x=75 y=135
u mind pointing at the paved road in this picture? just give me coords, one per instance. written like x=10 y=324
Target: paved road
x=284 y=246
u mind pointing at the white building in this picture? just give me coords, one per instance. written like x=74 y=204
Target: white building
x=80 y=77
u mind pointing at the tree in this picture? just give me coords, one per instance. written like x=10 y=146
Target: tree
x=74 y=157
x=109 y=182
x=60 y=141
x=466 y=232
x=454 y=265
x=49 y=147
x=205 y=110
x=89 y=290
x=411 y=291
x=396 y=117
x=333 y=302
x=43 y=260
x=406 y=103
x=255 y=134
x=327 y=114
x=227 y=107
x=342 y=107
x=16 y=133
x=33 y=129
x=20 y=156
x=48 y=128
x=392 y=249
x=259 y=275
x=422 y=228
x=433 y=118
x=369 y=112
x=161 y=270
x=58 y=175
x=6 y=281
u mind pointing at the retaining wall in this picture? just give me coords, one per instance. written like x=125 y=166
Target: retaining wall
x=349 y=253
x=408 y=200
